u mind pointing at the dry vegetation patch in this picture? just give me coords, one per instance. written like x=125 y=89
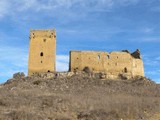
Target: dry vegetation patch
x=78 y=98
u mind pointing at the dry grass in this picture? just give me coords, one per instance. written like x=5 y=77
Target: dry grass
x=78 y=98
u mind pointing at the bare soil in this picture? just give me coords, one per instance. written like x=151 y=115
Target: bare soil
x=79 y=98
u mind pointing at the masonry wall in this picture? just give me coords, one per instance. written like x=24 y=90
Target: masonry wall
x=119 y=62
x=42 y=52
x=113 y=63
x=138 y=68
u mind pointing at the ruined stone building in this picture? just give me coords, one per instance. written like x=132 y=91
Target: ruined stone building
x=42 y=52
x=112 y=64
x=42 y=55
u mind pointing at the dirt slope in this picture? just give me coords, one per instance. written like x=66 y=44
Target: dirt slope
x=155 y=117
x=79 y=98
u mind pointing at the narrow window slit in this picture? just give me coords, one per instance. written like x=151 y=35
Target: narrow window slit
x=41 y=54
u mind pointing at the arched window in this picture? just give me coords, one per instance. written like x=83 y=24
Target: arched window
x=108 y=57
x=99 y=57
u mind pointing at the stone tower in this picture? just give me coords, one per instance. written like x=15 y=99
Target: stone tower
x=42 y=52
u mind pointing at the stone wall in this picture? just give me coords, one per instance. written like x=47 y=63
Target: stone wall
x=42 y=52
x=113 y=64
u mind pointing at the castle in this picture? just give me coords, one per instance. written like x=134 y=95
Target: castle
x=42 y=55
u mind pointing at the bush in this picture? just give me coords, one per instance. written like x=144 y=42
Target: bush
x=37 y=82
x=122 y=76
x=87 y=70
x=18 y=75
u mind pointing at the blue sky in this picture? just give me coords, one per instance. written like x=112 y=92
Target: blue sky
x=103 y=25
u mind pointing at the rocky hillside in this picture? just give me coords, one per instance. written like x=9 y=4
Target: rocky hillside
x=78 y=97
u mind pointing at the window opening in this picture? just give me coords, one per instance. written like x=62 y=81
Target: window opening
x=41 y=54
x=108 y=57
x=44 y=40
x=125 y=70
x=49 y=71
x=98 y=56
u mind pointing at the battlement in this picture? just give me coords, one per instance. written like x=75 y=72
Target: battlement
x=43 y=33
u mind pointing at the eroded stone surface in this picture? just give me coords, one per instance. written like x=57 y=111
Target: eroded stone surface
x=42 y=51
x=112 y=64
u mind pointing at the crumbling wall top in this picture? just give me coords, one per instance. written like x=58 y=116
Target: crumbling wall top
x=136 y=54
x=125 y=51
